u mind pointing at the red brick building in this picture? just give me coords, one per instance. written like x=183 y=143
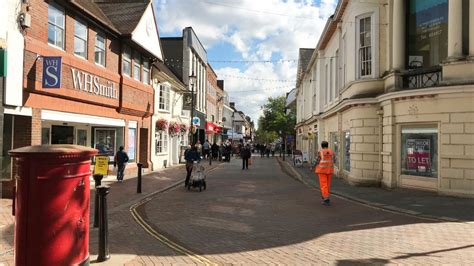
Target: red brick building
x=102 y=97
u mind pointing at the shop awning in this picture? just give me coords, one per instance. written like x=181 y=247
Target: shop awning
x=212 y=128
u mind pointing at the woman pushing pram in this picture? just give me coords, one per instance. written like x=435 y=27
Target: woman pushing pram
x=197 y=179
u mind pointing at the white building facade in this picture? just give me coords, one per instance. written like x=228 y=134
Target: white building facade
x=399 y=111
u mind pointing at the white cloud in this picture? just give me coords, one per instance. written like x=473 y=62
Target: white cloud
x=257 y=30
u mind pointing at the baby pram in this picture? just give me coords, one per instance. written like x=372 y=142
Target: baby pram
x=198 y=177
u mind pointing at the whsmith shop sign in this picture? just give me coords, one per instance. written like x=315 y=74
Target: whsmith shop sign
x=93 y=84
x=82 y=81
x=52 y=72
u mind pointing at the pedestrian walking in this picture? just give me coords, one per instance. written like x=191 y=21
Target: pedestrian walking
x=206 y=149
x=245 y=154
x=190 y=155
x=215 y=151
x=120 y=160
x=325 y=169
x=199 y=147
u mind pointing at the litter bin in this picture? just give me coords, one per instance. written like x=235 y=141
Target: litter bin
x=52 y=204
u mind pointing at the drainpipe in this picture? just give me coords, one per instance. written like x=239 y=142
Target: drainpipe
x=380 y=174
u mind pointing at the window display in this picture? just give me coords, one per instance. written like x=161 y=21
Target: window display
x=132 y=137
x=347 y=148
x=105 y=141
x=419 y=155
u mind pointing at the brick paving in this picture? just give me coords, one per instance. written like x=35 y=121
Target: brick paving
x=416 y=202
x=6 y=232
x=127 y=240
x=262 y=216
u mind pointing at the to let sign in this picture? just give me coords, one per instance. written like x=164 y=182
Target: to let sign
x=52 y=72
x=101 y=165
x=418 y=155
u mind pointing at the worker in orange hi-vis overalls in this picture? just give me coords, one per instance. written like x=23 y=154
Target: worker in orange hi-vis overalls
x=325 y=169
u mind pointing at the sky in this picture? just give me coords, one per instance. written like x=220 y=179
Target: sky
x=251 y=44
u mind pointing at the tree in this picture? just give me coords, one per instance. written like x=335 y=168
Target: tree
x=275 y=119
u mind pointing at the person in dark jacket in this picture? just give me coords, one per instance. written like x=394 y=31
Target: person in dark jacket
x=215 y=151
x=191 y=155
x=120 y=160
x=245 y=154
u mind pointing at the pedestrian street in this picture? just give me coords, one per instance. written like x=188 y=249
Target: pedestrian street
x=264 y=216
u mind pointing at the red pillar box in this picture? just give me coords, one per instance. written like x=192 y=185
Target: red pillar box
x=52 y=204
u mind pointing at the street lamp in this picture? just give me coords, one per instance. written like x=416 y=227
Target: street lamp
x=192 y=81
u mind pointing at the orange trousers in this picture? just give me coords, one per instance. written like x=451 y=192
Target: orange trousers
x=325 y=184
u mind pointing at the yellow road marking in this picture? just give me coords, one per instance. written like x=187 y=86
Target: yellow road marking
x=163 y=239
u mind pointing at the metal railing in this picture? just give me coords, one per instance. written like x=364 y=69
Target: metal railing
x=422 y=78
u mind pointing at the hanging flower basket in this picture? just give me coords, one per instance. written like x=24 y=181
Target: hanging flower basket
x=174 y=129
x=161 y=125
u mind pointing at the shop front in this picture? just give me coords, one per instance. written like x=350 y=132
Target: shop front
x=213 y=132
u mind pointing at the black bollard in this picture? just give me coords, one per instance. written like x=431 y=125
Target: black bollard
x=210 y=160
x=139 y=178
x=98 y=182
x=103 y=224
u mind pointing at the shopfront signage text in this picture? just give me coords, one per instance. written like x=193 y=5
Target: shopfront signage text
x=93 y=84
x=101 y=165
x=418 y=155
x=52 y=72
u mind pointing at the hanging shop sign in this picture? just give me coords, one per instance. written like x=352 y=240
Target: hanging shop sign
x=93 y=84
x=196 y=121
x=52 y=72
x=418 y=155
x=187 y=100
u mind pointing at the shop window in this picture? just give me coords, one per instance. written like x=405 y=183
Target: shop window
x=146 y=71
x=334 y=145
x=136 y=65
x=80 y=39
x=161 y=142
x=347 y=149
x=419 y=151
x=45 y=136
x=427 y=33
x=100 y=49
x=164 y=98
x=132 y=146
x=104 y=139
x=127 y=61
x=56 y=26
x=365 y=46
x=81 y=137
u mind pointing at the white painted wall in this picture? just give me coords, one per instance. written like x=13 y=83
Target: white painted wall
x=12 y=40
x=146 y=33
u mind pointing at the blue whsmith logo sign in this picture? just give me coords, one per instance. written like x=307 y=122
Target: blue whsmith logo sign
x=52 y=72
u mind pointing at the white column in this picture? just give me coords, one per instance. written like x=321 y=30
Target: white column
x=454 y=29
x=471 y=29
x=398 y=35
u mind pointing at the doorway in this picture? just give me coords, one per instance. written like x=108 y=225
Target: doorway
x=62 y=135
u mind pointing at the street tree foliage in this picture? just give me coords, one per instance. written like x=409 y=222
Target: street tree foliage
x=275 y=121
